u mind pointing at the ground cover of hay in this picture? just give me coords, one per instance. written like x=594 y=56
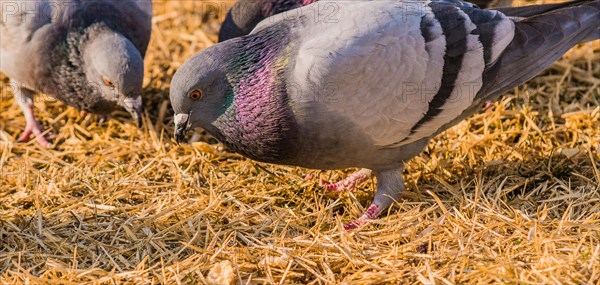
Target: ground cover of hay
x=509 y=196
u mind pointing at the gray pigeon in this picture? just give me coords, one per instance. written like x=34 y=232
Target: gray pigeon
x=244 y=15
x=86 y=53
x=371 y=88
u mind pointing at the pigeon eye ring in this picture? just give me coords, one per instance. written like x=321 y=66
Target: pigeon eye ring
x=195 y=95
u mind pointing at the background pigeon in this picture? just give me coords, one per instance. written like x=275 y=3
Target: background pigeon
x=87 y=54
x=373 y=88
x=244 y=15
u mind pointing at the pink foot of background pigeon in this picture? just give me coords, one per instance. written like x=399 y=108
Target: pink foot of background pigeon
x=40 y=136
x=33 y=127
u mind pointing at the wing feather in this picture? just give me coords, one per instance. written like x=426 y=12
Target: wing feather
x=387 y=61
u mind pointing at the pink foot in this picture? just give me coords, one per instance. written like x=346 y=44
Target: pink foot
x=347 y=184
x=371 y=214
x=40 y=136
x=24 y=97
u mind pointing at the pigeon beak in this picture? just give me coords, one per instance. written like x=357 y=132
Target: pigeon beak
x=182 y=126
x=134 y=107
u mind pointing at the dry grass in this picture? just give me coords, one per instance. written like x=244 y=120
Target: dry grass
x=509 y=196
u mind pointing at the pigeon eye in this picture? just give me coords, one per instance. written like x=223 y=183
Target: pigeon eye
x=196 y=95
x=107 y=82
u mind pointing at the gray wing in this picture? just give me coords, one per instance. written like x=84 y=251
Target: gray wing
x=400 y=80
x=137 y=16
x=132 y=18
x=400 y=70
x=22 y=24
x=533 y=10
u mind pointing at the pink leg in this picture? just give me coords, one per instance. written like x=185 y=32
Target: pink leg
x=389 y=186
x=349 y=183
x=33 y=127
x=24 y=98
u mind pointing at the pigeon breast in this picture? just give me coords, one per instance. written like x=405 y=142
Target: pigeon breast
x=257 y=120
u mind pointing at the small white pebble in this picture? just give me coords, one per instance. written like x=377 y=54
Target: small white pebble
x=271 y=261
x=221 y=274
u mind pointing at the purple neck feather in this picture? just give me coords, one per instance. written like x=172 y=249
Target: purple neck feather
x=258 y=121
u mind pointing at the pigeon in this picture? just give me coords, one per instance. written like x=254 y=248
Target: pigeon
x=244 y=15
x=370 y=90
x=87 y=53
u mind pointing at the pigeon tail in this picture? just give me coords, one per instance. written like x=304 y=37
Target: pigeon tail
x=540 y=40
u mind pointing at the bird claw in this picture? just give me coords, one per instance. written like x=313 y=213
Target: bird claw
x=347 y=184
x=343 y=185
x=371 y=214
x=40 y=136
x=355 y=225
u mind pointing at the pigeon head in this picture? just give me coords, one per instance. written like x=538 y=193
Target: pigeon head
x=236 y=90
x=115 y=67
x=199 y=90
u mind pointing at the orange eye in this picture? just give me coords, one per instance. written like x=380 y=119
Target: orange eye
x=195 y=95
x=107 y=82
